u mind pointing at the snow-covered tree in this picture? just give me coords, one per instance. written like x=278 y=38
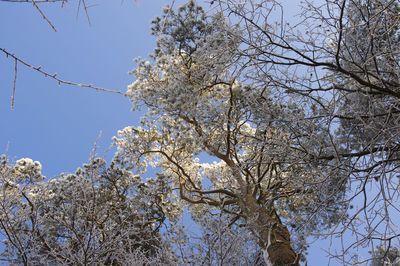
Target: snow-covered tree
x=227 y=140
x=105 y=215
x=298 y=117
x=100 y=215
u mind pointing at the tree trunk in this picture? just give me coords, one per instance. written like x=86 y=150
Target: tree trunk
x=272 y=235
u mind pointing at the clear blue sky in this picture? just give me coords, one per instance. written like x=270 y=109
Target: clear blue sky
x=58 y=125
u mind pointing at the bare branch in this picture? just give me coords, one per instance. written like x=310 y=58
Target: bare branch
x=44 y=17
x=54 y=76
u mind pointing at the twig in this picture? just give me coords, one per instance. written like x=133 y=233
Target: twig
x=15 y=80
x=93 y=152
x=85 y=8
x=54 y=76
x=44 y=17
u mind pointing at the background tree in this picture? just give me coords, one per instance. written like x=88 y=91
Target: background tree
x=99 y=215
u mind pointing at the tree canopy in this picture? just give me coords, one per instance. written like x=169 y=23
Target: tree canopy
x=268 y=131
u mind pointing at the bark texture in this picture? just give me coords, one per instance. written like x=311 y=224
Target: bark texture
x=273 y=236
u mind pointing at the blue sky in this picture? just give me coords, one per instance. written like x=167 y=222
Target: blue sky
x=58 y=125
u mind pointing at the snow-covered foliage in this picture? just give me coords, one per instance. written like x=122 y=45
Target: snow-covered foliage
x=100 y=215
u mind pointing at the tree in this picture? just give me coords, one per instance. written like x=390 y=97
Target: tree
x=301 y=120
x=100 y=215
x=202 y=101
